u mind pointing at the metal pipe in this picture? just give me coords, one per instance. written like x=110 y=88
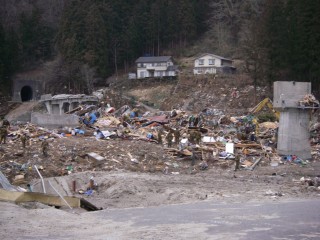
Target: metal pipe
x=59 y=195
x=43 y=187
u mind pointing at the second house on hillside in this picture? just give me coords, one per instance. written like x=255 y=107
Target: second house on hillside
x=212 y=64
x=160 y=66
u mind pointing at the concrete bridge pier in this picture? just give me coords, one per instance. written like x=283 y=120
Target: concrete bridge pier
x=293 y=133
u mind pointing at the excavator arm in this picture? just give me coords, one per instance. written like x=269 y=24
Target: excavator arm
x=265 y=102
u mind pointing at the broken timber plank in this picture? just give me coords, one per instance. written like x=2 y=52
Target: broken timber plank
x=95 y=156
x=255 y=164
x=241 y=145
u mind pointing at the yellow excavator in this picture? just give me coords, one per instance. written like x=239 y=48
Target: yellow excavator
x=265 y=102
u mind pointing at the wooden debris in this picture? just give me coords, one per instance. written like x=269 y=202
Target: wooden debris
x=255 y=164
x=243 y=145
x=48 y=199
x=95 y=156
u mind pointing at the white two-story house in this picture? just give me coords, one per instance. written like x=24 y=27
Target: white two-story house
x=161 y=66
x=211 y=64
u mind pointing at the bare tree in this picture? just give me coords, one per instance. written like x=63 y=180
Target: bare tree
x=87 y=74
x=254 y=53
x=227 y=20
x=11 y=11
x=55 y=75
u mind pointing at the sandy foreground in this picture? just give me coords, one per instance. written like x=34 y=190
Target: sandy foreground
x=123 y=189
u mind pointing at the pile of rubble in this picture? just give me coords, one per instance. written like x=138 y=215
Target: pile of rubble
x=171 y=142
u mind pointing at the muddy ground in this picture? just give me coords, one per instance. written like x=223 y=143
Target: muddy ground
x=123 y=189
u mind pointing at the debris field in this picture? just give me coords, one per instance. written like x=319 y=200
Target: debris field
x=130 y=157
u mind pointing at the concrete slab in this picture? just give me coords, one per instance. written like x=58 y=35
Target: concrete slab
x=287 y=94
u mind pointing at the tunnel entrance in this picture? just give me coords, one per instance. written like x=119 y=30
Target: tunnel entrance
x=26 y=94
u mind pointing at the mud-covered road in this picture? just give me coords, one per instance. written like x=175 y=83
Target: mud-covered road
x=284 y=219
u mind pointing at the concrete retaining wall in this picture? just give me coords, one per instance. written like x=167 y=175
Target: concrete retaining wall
x=54 y=120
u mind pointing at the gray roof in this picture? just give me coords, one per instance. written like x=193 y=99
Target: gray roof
x=216 y=56
x=153 y=59
x=172 y=68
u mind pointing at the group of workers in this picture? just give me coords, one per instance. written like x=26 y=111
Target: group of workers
x=194 y=137
x=23 y=137
x=195 y=120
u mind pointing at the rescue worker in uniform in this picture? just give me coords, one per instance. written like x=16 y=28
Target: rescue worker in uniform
x=253 y=137
x=177 y=136
x=159 y=137
x=3 y=135
x=237 y=165
x=197 y=137
x=4 y=131
x=23 y=139
x=169 y=138
x=193 y=156
x=5 y=123
x=192 y=137
x=45 y=147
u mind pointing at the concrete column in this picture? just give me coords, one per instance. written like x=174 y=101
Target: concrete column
x=48 y=107
x=293 y=134
x=74 y=105
x=61 y=108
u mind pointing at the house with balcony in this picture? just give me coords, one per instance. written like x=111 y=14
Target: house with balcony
x=158 y=67
x=212 y=64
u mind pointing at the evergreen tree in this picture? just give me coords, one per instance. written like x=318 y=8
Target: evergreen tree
x=101 y=35
x=2 y=56
x=293 y=40
x=8 y=57
x=36 y=39
x=252 y=48
x=96 y=50
x=82 y=36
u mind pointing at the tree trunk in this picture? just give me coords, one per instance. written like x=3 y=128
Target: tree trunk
x=115 y=62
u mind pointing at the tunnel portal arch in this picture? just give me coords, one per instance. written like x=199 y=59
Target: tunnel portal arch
x=26 y=93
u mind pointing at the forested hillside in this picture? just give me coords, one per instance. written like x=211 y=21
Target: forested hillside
x=80 y=41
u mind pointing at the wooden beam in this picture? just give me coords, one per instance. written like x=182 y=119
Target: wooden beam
x=47 y=199
x=244 y=145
